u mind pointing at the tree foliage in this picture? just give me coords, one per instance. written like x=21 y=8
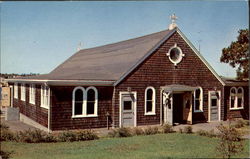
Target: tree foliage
x=237 y=54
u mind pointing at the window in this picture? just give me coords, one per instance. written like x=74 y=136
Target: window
x=175 y=54
x=240 y=95
x=198 y=100
x=78 y=95
x=23 y=92
x=232 y=97
x=85 y=103
x=32 y=94
x=236 y=99
x=15 y=90
x=45 y=96
x=150 y=101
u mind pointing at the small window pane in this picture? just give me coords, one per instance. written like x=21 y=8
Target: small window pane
x=233 y=91
x=239 y=102
x=232 y=102
x=197 y=93
x=149 y=94
x=214 y=102
x=149 y=106
x=90 y=107
x=197 y=104
x=127 y=105
x=91 y=95
x=78 y=95
x=78 y=108
x=239 y=90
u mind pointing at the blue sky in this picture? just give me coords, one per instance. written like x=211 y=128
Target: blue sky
x=38 y=36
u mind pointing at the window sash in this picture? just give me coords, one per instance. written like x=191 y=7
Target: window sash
x=150 y=101
x=23 y=95
x=15 y=91
x=45 y=96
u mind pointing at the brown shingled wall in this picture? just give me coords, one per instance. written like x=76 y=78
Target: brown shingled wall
x=35 y=112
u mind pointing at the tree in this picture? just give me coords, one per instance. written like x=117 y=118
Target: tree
x=237 y=54
x=231 y=142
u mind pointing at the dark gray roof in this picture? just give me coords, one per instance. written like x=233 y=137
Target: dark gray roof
x=108 y=62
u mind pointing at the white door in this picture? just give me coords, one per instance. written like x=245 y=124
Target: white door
x=214 y=105
x=127 y=110
x=168 y=107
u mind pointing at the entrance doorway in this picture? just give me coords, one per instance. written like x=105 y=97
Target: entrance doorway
x=177 y=108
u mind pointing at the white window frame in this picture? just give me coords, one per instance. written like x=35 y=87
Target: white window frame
x=23 y=92
x=153 y=101
x=84 y=105
x=236 y=96
x=32 y=94
x=200 y=99
x=175 y=62
x=16 y=90
x=45 y=96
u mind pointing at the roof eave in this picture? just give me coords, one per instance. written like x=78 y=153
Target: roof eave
x=64 y=82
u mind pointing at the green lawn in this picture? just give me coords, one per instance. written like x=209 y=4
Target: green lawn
x=158 y=146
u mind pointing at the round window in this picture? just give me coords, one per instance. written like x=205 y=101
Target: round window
x=175 y=54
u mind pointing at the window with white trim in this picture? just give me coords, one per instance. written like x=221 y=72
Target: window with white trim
x=85 y=102
x=32 y=94
x=236 y=99
x=45 y=96
x=233 y=97
x=150 y=101
x=198 y=100
x=23 y=93
x=15 y=90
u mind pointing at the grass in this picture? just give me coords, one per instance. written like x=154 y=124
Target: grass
x=160 y=146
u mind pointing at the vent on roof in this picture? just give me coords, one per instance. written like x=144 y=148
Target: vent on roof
x=173 y=25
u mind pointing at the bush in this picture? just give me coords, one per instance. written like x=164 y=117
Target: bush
x=167 y=128
x=231 y=142
x=120 y=132
x=5 y=154
x=206 y=133
x=86 y=135
x=138 y=131
x=66 y=136
x=241 y=123
x=188 y=130
x=180 y=130
x=31 y=136
x=151 y=130
x=3 y=126
x=7 y=135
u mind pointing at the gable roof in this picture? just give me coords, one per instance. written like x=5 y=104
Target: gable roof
x=112 y=62
x=108 y=62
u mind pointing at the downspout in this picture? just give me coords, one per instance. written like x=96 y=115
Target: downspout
x=49 y=110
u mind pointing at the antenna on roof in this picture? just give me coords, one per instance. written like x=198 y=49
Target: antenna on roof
x=173 y=25
x=79 y=46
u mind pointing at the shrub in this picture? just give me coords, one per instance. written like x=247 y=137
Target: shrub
x=3 y=126
x=120 y=132
x=167 y=128
x=67 y=136
x=188 y=130
x=31 y=136
x=86 y=135
x=231 y=142
x=180 y=130
x=5 y=154
x=7 y=135
x=151 y=130
x=240 y=123
x=49 y=138
x=202 y=133
x=138 y=131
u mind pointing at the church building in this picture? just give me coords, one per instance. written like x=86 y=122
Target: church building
x=150 y=80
